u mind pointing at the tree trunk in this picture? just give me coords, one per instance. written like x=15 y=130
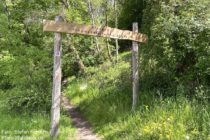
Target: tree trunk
x=107 y=40
x=76 y=53
x=79 y=60
x=91 y=12
x=116 y=26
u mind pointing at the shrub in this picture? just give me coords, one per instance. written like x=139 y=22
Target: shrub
x=178 y=39
x=25 y=79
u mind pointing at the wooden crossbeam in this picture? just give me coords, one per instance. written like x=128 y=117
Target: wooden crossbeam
x=72 y=28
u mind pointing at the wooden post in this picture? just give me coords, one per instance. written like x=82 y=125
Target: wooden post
x=135 y=68
x=56 y=93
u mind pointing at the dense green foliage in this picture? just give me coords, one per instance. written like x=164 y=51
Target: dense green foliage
x=179 y=41
x=25 y=57
x=33 y=126
x=106 y=96
x=178 y=47
x=174 y=66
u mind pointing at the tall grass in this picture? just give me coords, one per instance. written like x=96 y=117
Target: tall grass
x=34 y=126
x=105 y=95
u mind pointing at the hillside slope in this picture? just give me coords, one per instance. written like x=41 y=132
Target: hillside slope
x=104 y=95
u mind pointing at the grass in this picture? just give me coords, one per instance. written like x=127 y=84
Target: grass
x=105 y=95
x=35 y=126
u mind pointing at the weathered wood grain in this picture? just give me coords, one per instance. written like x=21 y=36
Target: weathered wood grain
x=135 y=69
x=72 y=28
x=56 y=93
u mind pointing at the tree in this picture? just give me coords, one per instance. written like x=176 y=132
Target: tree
x=25 y=74
x=178 y=37
x=116 y=26
x=93 y=17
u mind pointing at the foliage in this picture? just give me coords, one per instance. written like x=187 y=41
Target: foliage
x=173 y=64
x=24 y=58
x=33 y=126
x=130 y=12
x=106 y=96
x=178 y=39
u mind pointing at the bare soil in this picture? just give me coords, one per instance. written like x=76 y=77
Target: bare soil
x=84 y=130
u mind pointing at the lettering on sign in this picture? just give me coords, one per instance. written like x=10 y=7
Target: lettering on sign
x=72 y=28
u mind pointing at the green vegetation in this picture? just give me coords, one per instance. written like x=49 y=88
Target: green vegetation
x=104 y=96
x=174 y=68
x=33 y=126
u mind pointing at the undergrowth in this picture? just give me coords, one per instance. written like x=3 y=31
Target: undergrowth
x=36 y=126
x=105 y=95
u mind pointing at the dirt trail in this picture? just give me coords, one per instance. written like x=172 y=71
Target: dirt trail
x=84 y=128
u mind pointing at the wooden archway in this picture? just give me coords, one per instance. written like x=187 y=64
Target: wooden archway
x=58 y=26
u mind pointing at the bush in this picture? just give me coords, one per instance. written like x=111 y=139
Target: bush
x=178 y=39
x=25 y=79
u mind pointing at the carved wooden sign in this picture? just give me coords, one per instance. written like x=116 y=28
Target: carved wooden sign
x=72 y=28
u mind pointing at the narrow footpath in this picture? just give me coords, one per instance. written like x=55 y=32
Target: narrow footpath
x=84 y=130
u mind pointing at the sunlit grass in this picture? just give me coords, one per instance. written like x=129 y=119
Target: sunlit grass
x=35 y=126
x=106 y=102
